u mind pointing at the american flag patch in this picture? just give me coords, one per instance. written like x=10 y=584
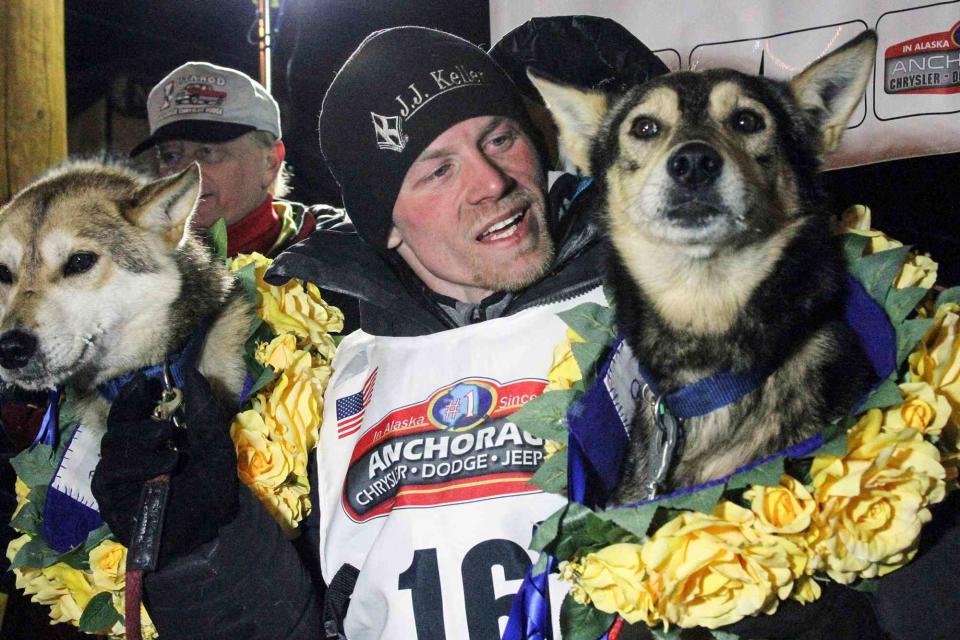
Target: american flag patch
x=350 y=408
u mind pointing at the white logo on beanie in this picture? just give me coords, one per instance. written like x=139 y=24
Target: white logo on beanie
x=389 y=129
x=389 y=133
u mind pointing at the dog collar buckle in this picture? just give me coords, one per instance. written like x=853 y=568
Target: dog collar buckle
x=663 y=447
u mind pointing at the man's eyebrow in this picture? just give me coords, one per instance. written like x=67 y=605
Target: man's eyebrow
x=443 y=152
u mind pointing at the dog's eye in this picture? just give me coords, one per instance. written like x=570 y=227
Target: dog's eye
x=80 y=262
x=746 y=121
x=5 y=276
x=644 y=128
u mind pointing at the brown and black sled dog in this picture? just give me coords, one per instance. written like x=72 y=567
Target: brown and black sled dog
x=722 y=259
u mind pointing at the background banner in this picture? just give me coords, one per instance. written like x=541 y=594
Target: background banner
x=910 y=108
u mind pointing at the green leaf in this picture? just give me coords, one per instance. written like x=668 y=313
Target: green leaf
x=867 y=586
x=582 y=622
x=99 y=614
x=95 y=537
x=540 y=565
x=588 y=355
x=767 y=475
x=909 y=333
x=217 y=233
x=885 y=395
x=593 y=322
x=247 y=277
x=36 y=555
x=547 y=531
x=702 y=501
x=582 y=530
x=35 y=467
x=900 y=303
x=546 y=415
x=949 y=295
x=29 y=520
x=662 y=634
x=552 y=474
x=724 y=635
x=833 y=446
x=877 y=272
x=853 y=246
x=636 y=520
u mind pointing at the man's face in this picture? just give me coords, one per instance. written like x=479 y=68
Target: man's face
x=234 y=175
x=470 y=218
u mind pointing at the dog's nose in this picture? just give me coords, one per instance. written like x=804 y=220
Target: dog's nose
x=16 y=348
x=695 y=165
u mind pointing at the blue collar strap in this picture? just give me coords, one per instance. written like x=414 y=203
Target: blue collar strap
x=179 y=362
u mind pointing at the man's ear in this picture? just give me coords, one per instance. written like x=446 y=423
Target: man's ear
x=273 y=160
x=578 y=115
x=163 y=206
x=394 y=238
x=831 y=87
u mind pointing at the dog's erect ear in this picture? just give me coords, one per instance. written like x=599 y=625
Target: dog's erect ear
x=831 y=87
x=578 y=115
x=164 y=205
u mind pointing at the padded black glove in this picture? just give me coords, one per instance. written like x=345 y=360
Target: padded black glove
x=203 y=485
x=840 y=612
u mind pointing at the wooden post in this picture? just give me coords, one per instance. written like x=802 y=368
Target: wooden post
x=33 y=95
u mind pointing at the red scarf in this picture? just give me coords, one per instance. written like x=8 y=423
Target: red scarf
x=257 y=231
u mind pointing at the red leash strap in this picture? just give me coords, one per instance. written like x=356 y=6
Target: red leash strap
x=144 y=549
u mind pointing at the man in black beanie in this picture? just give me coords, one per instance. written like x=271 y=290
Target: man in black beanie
x=461 y=258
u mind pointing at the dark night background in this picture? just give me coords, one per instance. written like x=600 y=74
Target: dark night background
x=116 y=50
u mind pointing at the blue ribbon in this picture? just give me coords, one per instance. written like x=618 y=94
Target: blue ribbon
x=178 y=362
x=530 y=612
x=50 y=425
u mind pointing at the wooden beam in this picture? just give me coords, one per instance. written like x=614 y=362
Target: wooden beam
x=33 y=96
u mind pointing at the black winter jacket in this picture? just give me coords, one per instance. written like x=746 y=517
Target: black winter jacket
x=251 y=582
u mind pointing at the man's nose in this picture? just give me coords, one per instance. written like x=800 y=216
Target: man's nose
x=488 y=181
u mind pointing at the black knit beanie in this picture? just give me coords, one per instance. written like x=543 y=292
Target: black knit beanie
x=399 y=90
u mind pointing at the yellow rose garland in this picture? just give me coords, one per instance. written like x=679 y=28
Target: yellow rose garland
x=274 y=435
x=858 y=516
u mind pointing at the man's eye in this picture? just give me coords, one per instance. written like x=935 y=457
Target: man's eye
x=80 y=262
x=169 y=158
x=440 y=171
x=502 y=140
x=644 y=128
x=747 y=121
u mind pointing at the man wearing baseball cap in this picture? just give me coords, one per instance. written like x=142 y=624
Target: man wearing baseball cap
x=229 y=124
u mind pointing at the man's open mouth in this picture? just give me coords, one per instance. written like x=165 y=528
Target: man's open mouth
x=503 y=229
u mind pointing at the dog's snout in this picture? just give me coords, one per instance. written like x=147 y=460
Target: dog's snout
x=695 y=165
x=16 y=349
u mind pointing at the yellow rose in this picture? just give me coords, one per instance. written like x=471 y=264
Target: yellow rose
x=918 y=271
x=806 y=590
x=923 y=410
x=295 y=306
x=261 y=461
x=108 y=564
x=288 y=503
x=716 y=569
x=936 y=359
x=787 y=508
x=615 y=581
x=873 y=500
x=292 y=408
x=147 y=628
x=69 y=606
x=564 y=371
x=21 y=490
x=279 y=352
x=856 y=220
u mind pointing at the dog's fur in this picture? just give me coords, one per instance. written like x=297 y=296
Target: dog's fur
x=100 y=275
x=721 y=252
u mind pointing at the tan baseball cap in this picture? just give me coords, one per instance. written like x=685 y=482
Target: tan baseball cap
x=203 y=102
